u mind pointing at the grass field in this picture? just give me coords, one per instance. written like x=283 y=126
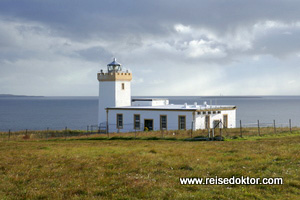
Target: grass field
x=145 y=169
x=166 y=134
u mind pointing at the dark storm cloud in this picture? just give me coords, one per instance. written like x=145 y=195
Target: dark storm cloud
x=83 y=19
x=279 y=42
x=117 y=17
x=214 y=40
x=94 y=53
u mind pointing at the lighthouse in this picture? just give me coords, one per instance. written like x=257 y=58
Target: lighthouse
x=114 y=89
x=119 y=113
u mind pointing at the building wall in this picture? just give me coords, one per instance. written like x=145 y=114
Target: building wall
x=123 y=97
x=111 y=94
x=200 y=119
x=154 y=102
x=107 y=98
x=172 y=119
x=231 y=118
x=128 y=123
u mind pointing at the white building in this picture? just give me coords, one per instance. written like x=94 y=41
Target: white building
x=119 y=113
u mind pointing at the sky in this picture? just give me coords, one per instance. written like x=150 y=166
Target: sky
x=172 y=47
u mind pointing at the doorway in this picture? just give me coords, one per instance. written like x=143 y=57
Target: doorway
x=216 y=124
x=207 y=122
x=225 y=121
x=148 y=124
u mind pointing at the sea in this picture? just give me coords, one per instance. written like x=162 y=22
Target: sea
x=57 y=113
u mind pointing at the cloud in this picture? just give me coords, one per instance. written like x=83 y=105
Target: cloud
x=172 y=47
x=182 y=29
x=94 y=53
x=277 y=38
x=199 y=48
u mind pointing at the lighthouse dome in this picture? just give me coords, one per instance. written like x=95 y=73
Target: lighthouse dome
x=114 y=66
x=114 y=63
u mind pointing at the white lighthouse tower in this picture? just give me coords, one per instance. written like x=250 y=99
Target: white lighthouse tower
x=114 y=89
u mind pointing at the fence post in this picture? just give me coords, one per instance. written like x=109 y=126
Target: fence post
x=274 y=126
x=220 y=129
x=241 y=131
x=47 y=133
x=290 y=122
x=107 y=130
x=66 y=133
x=87 y=130
x=258 y=127
x=192 y=129
x=8 y=134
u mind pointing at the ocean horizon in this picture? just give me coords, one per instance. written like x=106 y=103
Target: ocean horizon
x=78 y=112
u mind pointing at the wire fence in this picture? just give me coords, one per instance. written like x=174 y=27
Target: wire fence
x=257 y=128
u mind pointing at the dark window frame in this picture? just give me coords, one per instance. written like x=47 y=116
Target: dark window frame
x=135 y=121
x=180 y=127
x=119 y=124
x=161 y=122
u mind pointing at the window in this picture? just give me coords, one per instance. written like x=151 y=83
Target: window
x=216 y=124
x=163 y=122
x=119 y=121
x=209 y=112
x=199 y=113
x=225 y=121
x=207 y=121
x=181 y=122
x=123 y=86
x=214 y=112
x=136 y=121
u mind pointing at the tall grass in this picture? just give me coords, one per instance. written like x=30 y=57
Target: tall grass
x=145 y=169
x=167 y=134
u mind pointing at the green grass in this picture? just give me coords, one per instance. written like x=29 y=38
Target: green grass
x=144 y=135
x=83 y=168
x=169 y=134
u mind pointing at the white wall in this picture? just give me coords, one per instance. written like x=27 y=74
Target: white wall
x=141 y=103
x=160 y=102
x=172 y=119
x=128 y=126
x=123 y=97
x=231 y=118
x=106 y=99
x=153 y=102
x=112 y=95
x=200 y=119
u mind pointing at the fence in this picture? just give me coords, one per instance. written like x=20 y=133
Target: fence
x=243 y=129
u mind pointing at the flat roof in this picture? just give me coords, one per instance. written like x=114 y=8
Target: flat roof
x=177 y=107
x=147 y=99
